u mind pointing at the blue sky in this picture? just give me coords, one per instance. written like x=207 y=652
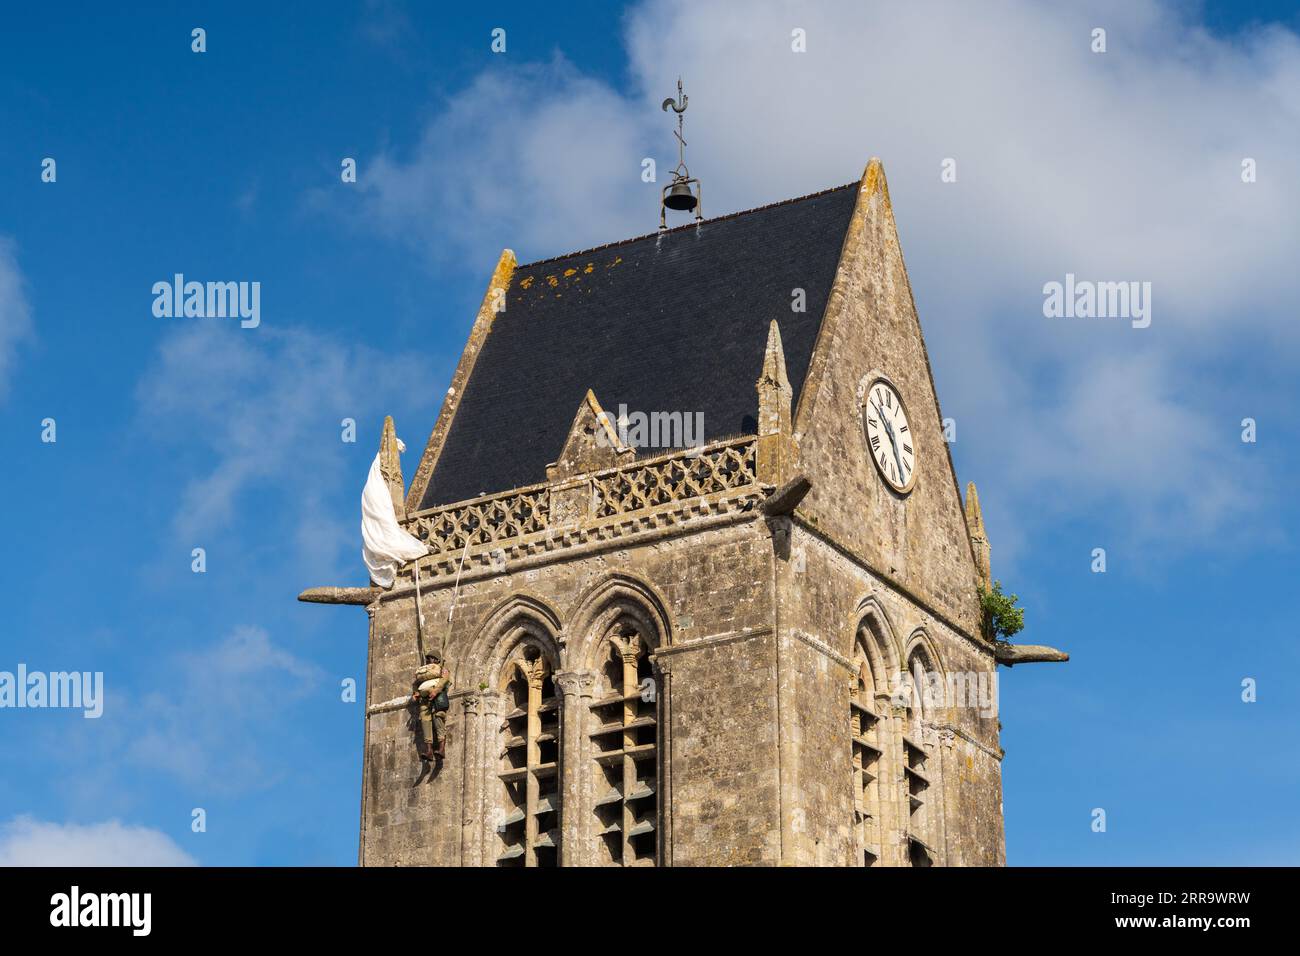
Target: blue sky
x=223 y=692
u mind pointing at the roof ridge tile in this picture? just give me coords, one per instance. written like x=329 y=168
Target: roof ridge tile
x=689 y=225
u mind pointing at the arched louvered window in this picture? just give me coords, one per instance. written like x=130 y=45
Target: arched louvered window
x=915 y=760
x=866 y=751
x=529 y=827
x=625 y=748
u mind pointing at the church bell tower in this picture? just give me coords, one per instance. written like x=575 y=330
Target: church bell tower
x=758 y=646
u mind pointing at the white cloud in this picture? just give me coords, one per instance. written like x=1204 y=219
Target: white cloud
x=200 y=718
x=264 y=409
x=25 y=841
x=242 y=656
x=15 y=312
x=1117 y=166
x=554 y=160
x=204 y=728
x=386 y=24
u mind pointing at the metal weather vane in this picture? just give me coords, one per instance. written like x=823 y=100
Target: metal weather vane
x=677 y=195
x=678 y=106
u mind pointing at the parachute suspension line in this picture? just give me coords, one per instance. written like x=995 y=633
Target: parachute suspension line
x=455 y=592
x=419 y=616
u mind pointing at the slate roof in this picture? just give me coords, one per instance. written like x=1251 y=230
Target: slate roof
x=674 y=321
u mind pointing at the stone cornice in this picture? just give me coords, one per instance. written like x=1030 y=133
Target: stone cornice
x=665 y=654
x=996 y=753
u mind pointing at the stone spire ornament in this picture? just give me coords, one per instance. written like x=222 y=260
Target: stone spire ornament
x=979 y=539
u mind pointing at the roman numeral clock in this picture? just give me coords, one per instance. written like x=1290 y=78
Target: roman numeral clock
x=889 y=435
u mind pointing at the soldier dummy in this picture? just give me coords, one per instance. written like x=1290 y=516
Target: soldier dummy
x=432 y=681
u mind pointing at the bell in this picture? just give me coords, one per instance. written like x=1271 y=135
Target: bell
x=680 y=198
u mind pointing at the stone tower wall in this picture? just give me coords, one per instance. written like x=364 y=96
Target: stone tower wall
x=717 y=675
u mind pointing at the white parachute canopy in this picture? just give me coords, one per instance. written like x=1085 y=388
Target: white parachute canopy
x=384 y=544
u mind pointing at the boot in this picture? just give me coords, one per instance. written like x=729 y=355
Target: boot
x=442 y=749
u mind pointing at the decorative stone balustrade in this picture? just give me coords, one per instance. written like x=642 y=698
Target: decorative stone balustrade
x=714 y=472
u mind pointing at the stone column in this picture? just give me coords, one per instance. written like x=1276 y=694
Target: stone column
x=489 y=764
x=471 y=778
x=857 y=841
x=893 y=779
x=664 y=739
x=365 y=734
x=536 y=673
x=945 y=762
x=629 y=651
x=577 y=688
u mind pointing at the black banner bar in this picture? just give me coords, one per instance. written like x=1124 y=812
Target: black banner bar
x=400 y=908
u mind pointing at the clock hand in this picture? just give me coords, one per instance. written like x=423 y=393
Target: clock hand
x=893 y=444
x=897 y=458
x=889 y=431
x=883 y=420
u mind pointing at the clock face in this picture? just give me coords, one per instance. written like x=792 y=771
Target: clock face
x=889 y=435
